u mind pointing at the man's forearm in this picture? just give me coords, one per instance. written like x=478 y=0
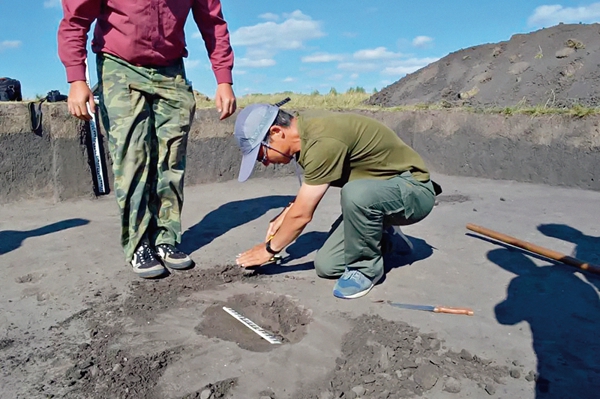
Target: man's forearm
x=283 y=212
x=298 y=215
x=292 y=227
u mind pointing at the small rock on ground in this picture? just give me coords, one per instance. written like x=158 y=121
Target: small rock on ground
x=530 y=376
x=326 y=395
x=466 y=355
x=452 y=385
x=426 y=376
x=359 y=390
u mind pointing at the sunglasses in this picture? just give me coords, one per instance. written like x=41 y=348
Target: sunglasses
x=265 y=157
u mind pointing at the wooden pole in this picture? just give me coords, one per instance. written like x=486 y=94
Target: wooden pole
x=548 y=253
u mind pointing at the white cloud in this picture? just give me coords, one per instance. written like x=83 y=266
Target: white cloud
x=382 y=61
x=191 y=64
x=350 y=35
x=289 y=79
x=379 y=53
x=336 y=77
x=355 y=67
x=322 y=57
x=400 y=70
x=9 y=44
x=402 y=67
x=421 y=41
x=254 y=63
x=296 y=29
x=269 y=16
x=257 y=53
x=296 y=15
x=52 y=3
x=549 y=15
x=264 y=40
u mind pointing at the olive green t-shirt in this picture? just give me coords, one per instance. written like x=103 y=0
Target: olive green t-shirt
x=340 y=147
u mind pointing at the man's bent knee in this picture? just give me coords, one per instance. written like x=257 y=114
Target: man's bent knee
x=326 y=268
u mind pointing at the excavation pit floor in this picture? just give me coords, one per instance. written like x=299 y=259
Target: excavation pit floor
x=75 y=322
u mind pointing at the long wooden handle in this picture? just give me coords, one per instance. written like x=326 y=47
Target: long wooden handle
x=442 y=309
x=548 y=253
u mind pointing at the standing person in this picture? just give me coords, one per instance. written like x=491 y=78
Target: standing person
x=384 y=182
x=147 y=106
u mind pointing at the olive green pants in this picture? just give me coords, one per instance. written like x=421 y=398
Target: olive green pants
x=147 y=113
x=368 y=206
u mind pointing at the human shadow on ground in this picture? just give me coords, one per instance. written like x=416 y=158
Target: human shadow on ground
x=309 y=242
x=563 y=312
x=229 y=216
x=13 y=239
x=303 y=246
x=421 y=250
x=587 y=248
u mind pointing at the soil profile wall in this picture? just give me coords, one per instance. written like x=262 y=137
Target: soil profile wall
x=555 y=150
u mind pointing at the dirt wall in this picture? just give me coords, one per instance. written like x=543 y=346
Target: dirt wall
x=555 y=150
x=57 y=163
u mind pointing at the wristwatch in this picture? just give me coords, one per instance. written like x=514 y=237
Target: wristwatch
x=269 y=249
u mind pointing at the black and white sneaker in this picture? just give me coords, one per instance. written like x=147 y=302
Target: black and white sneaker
x=145 y=263
x=172 y=257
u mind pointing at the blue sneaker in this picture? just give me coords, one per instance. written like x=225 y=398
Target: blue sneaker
x=395 y=242
x=354 y=284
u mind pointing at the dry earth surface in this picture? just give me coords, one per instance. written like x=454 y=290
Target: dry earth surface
x=76 y=323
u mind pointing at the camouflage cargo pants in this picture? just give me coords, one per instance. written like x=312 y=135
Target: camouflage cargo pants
x=147 y=113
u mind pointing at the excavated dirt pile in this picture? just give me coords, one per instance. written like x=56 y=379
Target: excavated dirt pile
x=554 y=67
x=382 y=359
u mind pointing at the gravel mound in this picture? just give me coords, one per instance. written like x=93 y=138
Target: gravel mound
x=553 y=67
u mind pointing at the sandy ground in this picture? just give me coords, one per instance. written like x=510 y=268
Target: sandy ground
x=76 y=323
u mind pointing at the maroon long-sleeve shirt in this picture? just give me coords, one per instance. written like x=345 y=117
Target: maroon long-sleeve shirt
x=142 y=32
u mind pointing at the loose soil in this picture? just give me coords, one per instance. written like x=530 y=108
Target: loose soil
x=151 y=297
x=553 y=67
x=94 y=365
x=383 y=359
x=380 y=358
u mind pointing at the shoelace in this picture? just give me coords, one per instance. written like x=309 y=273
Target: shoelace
x=144 y=253
x=168 y=248
x=354 y=275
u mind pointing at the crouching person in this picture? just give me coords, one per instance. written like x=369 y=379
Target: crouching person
x=384 y=184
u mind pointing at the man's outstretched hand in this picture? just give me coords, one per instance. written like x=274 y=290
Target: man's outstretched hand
x=79 y=96
x=256 y=256
x=225 y=100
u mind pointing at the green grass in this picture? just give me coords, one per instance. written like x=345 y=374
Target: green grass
x=354 y=100
x=332 y=100
x=578 y=111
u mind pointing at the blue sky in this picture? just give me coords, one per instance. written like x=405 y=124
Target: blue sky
x=306 y=45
